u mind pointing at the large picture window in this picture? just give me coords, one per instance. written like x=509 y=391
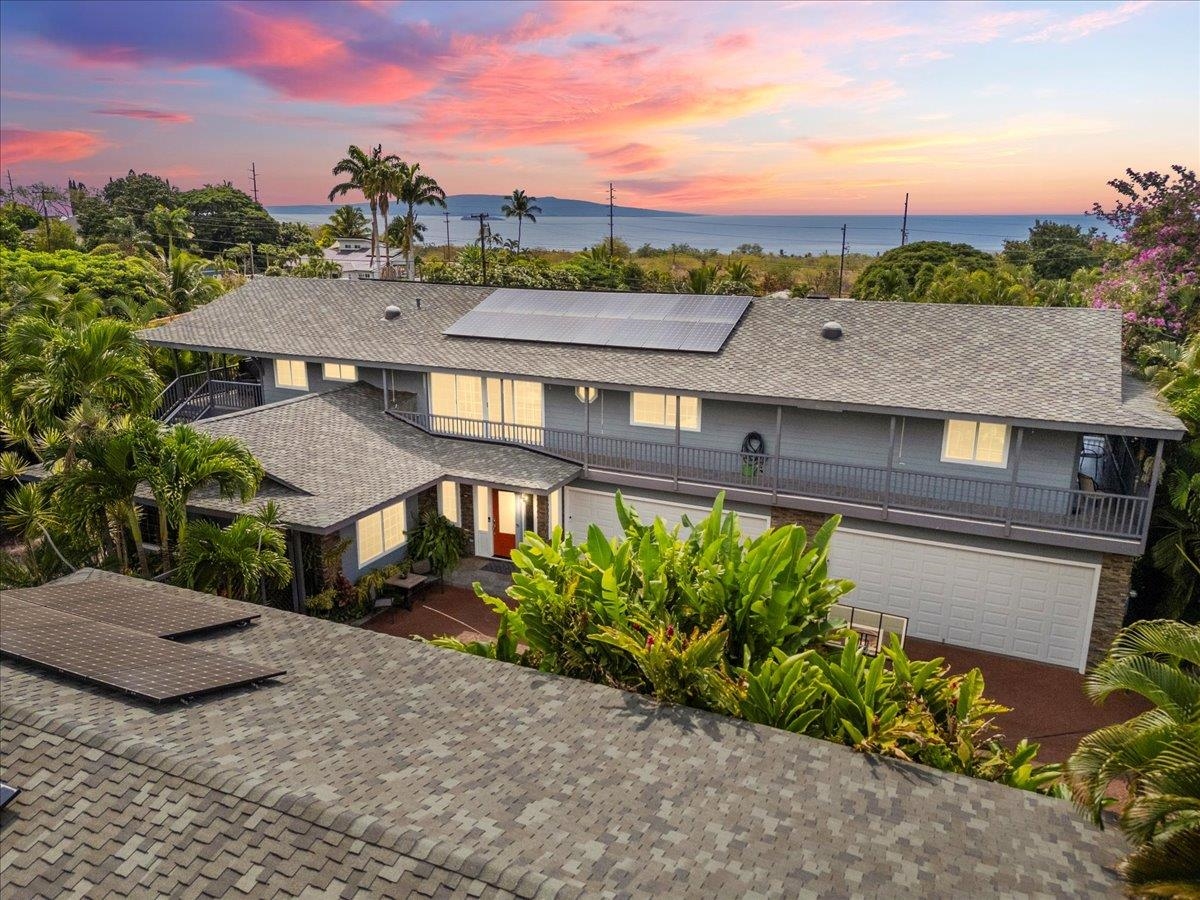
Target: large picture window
x=978 y=443
x=381 y=532
x=658 y=411
x=512 y=409
x=291 y=373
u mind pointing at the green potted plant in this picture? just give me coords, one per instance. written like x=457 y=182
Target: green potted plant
x=439 y=541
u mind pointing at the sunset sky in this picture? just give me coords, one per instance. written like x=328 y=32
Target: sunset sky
x=784 y=107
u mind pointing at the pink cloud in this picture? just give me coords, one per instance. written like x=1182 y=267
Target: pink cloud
x=629 y=159
x=137 y=112
x=1087 y=23
x=19 y=145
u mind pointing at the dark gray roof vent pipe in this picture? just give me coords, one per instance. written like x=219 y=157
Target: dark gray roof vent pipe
x=391 y=313
x=831 y=331
x=418 y=303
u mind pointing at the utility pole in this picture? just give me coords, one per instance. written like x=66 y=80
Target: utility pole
x=251 y=259
x=12 y=195
x=254 y=182
x=447 y=215
x=842 y=264
x=611 y=242
x=904 y=225
x=46 y=218
x=482 y=217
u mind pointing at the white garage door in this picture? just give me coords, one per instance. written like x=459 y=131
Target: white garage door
x=1002 y=602
x=586 y=508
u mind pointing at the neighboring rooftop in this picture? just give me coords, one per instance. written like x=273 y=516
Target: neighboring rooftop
x=388 y=766
x=1052 y=365
x=304 y=445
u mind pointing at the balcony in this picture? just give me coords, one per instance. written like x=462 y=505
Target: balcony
x=1082 y=518
x=201 y=395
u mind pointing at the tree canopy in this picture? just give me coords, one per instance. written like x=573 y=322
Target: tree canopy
x=222 y=216
x=898 y=270
x=1055 y=250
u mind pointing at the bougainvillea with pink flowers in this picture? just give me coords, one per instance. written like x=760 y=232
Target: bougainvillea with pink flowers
x=1157 y=286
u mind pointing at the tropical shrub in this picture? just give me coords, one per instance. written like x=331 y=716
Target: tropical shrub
x=1156 y=755
x=235 y=561
x=701 y=616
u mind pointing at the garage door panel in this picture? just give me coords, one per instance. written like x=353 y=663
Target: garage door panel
x=586 y=507
x=1001 y=602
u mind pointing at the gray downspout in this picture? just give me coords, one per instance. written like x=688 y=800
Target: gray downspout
x=1012 y=484
x=297 y=558
x=1149 y=508
x=891 y=464
x=778 y=452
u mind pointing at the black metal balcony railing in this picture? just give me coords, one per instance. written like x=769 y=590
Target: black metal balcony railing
x=1007 y=503
x=196 y=396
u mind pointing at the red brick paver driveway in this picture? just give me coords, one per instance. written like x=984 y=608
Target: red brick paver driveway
x=1048 y=704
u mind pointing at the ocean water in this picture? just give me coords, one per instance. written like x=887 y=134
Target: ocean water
x=793 y=235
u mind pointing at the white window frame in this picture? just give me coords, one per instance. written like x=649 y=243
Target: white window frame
x=289 y=366
x=668 y=423
x=975 y=461
x=339 y=371
x=391 y=517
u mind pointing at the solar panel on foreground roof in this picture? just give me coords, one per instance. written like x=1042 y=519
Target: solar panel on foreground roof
x=143 y=665
x=147 y=607
x=650 y=321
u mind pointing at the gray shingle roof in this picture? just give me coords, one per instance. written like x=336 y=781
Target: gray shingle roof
x=1033 y=364
x=337 y=454
x=390 y=765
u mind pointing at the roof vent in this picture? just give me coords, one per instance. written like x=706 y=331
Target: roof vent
x=391 y=313
x=831 y=331
x=418 y=303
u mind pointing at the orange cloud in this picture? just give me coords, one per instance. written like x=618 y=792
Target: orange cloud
x=137 y=112
x=629 y=159
x=19 y=145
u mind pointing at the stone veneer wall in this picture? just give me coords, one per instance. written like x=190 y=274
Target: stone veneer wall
x=541 y=519
x=466 y=514
x=810 y=521
x=1111 y=599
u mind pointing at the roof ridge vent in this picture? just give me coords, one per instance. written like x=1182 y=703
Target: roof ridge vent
x=832 y=331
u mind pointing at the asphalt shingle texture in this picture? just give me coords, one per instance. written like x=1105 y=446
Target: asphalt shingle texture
x=381 y=759
x=1042 y=364
x=336 y=455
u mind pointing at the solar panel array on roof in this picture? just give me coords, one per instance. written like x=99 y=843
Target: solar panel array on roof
x=145 y=606
x=651 y=321
x=7 y=792
x=143 y=665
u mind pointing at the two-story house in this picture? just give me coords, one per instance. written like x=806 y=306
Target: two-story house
x=353 y=256
x=994 y=466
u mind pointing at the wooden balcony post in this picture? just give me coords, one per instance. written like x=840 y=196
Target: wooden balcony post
x=587 y=432
x=208 y=381
x=1149 y=505
x=678 y=397
x=1012 y=484
x=891 y=462
x=778 y=452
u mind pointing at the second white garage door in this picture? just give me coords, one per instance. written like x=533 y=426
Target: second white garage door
x=585 y=507
x=1007 y=603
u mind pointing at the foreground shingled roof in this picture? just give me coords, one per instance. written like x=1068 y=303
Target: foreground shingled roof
x=1030 y=364
x=306 y=445
x=389 y=766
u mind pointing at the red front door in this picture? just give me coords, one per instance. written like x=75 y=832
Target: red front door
x=503 y=543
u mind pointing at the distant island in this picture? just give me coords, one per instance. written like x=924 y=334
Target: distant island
x=471 y=204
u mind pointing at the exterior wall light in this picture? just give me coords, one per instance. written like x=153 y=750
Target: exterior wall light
x=586 y=394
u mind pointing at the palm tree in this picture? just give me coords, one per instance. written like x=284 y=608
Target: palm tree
x=701 y=279
x=349 y=222
x=107 y=478
x=1156 y=753
x=29 y=513
x=236 y=560
x=187 y=285
x=364 y=173
x=49 y=369
x=171 y=224
x=520 y=207
x=738 y=278
x=416 y=189
x=404 y=233
x=181 y=461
